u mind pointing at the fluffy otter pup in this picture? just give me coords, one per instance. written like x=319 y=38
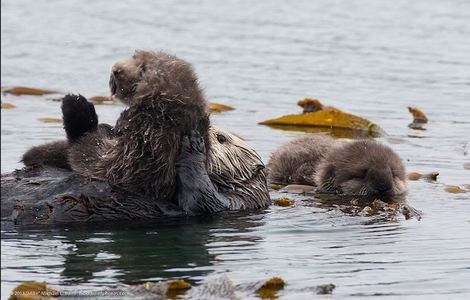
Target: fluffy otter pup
x=361 y=167
x=55 y=153
x=165 y=103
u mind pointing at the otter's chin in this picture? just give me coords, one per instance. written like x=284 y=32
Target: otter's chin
x=398 y=188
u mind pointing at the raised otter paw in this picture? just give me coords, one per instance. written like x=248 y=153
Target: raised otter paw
x=79 y=116
x=192 y=146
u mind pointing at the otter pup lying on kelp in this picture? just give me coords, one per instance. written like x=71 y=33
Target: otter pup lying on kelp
x=361 y=167
x=155 y=148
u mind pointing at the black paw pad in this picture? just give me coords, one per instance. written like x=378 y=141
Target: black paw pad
x=79 y=116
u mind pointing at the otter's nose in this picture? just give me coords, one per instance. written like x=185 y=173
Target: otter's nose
x=116 y=70
x=383 y=186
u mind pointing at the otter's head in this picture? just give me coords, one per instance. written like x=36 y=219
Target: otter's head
x=149 y=73
x=362 y=167
x=237 y=170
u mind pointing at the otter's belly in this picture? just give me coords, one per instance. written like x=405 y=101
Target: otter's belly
x=53 y=196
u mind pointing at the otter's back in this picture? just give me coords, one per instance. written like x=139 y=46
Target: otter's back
x=296 y=161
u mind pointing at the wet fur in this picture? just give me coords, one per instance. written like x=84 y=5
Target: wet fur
x=237 y=171
x=79 y=117
x=231 y=176
x=361 y=167
x=52 y=154
x=165 y=103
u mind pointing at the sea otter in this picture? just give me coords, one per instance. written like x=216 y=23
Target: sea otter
x=52 y=196
x=234 y=176
x=361 y=167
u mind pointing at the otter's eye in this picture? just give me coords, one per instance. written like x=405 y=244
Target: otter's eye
x=222 y=139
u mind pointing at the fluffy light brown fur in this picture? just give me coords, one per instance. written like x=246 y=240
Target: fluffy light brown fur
x=361 y=167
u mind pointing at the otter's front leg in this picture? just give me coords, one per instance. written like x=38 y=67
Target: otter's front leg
x=195 y=193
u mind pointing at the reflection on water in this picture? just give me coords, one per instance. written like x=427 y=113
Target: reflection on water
x=133 y=254
x=370 y=58
x=336 y=132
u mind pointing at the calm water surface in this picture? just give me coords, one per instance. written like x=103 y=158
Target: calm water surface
x=372 y=58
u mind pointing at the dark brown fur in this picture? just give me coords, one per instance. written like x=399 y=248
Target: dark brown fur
x=54 y=153
x=165 y=103
x=361 y=167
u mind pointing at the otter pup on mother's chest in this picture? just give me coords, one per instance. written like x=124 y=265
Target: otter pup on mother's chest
x=360 y=167
x=165 y=103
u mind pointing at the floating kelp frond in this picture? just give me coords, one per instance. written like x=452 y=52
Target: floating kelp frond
x=217 y=107
x=7 y=105
x=270 y=288
x=24 y=90
x=50 y=120
x=327 y=118
x=454 y=189
x=102 y=99
x=310 y=104
x=176 y=288
x=419 y=118
x=432 y=176
x=418 y=115
x=380 y=208
x=283 y=201
x=33 y=290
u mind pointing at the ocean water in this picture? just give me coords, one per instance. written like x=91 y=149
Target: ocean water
x=371 y=58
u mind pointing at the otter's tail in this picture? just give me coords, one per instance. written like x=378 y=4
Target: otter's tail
x=79 y=116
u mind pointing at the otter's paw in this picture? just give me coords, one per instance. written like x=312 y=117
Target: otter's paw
x=79 y=116
x=197 y=142
x=192 y=148
x=191 y=160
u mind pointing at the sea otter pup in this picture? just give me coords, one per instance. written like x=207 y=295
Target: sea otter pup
x=165 y=103
x=361 y=167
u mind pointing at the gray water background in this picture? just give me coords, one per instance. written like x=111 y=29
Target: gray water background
x=371 y=58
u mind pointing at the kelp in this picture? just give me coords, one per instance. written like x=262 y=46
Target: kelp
x=283 y=201
x=217 y=107
x=102 y=100
x=419 y=118
x=7 y=105
x=269 y=289
x=325 y=118
x=432 y=176
x=25 y=90
x=454 y=189
x=50 y=120
x=33 y=290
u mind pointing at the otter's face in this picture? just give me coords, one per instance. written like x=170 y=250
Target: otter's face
x=149 y=73
x=230 y=158
x=125 y=76
x=362 y=168
x=237 y=170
